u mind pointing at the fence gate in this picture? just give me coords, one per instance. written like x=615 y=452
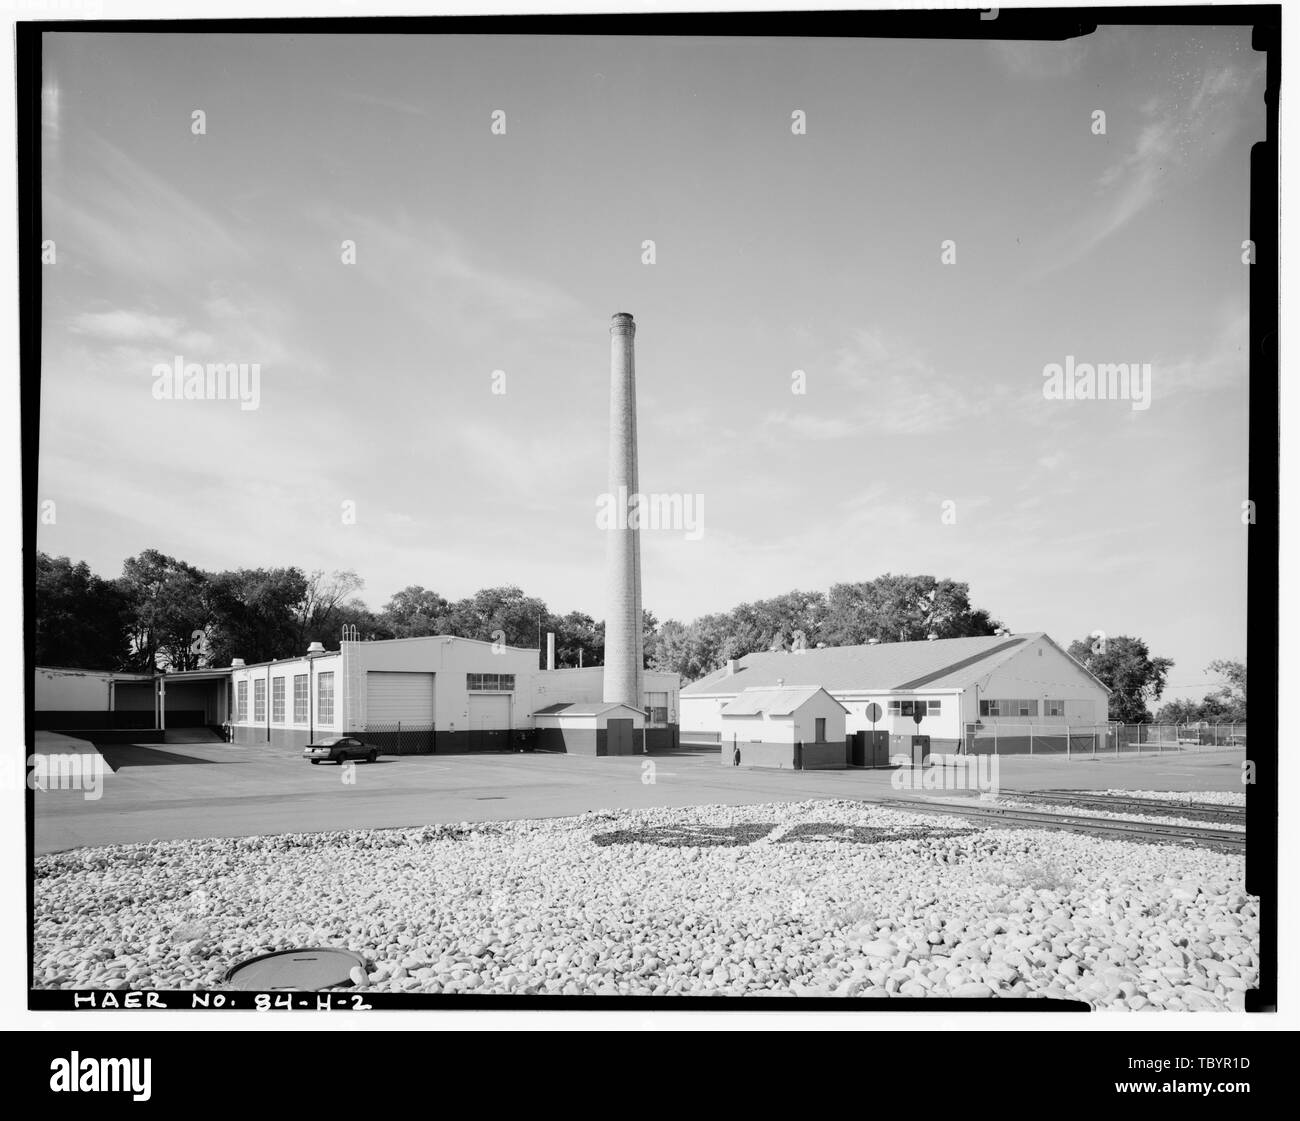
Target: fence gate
x=395 y=737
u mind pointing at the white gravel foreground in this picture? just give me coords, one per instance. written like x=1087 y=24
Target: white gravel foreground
x=816 y=898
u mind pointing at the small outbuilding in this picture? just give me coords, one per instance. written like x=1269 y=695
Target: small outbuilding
x=600 y=728
x=785 y=726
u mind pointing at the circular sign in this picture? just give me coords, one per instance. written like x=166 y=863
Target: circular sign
x=918 y=716
x=873 y=712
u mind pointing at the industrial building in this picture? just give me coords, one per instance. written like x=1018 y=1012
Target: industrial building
x=960 y=688
x=436 y=694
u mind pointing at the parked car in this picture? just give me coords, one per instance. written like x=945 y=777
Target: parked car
x=338 y=749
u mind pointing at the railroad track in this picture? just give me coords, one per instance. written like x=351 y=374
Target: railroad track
x=1155 y=807
x=1145 y=832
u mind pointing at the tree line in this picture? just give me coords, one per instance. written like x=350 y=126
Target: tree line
x=163 y=613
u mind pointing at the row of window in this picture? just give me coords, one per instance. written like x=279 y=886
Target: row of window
x=324 y=699
x=490 y=682
x=910 y=708
x=1025 y=707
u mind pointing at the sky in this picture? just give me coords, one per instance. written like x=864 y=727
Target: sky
x=923 y=441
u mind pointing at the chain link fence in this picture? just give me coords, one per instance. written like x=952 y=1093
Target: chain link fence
x=1098 y=739
x=396 y=737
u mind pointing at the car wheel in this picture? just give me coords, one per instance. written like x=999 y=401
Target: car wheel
x=372 y=757
x=314 y=761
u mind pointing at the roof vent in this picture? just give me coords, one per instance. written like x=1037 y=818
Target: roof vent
x=873 y=642
x=315 y=648
x=780 y=682
x=236 y=662
x=931 y=637
x=733 y=664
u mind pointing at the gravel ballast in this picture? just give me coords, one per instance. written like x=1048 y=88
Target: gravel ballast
x=1027 y=803
x=815 y=898
x=1198 y=797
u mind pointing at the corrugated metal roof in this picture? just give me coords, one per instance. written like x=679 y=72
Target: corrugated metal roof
x=781 y=701
x=945 y=663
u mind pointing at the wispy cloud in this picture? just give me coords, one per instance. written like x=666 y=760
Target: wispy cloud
x=883 y=386
x=431 y=269
x=1180 y=137
x=123 y=325
x=133 y=222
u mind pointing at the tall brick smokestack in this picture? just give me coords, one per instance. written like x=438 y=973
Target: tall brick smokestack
x=624 y=657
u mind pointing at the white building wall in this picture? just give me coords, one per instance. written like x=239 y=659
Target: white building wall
x=798 y=727
x=289 y=669
x=1043 y=672
x=451 y=660
x=759 y=728
x=945 y=725
x=704 y=714
x=69 y=690
x=586 y=686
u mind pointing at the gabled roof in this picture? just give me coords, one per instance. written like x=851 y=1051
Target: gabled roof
x=945 y=663
x=780 y=701
x=596 y=708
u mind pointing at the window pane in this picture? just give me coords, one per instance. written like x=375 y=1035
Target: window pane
x=300 y=698
x=325 y=698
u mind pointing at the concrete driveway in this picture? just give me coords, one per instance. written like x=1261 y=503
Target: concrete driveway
x=220 y=790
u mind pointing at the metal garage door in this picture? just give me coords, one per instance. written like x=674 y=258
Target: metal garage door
x=407 y=697
x=489 y=721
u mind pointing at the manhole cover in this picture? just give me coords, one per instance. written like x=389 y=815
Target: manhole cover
x=294 y=969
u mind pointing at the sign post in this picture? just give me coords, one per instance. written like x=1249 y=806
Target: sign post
x=873 y=714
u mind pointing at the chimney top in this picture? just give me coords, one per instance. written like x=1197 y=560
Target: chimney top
x=622 y=324
x=733 y=664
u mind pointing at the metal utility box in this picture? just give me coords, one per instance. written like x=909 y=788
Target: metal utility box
x=920 y=749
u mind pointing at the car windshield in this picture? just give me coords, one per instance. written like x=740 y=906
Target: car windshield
x=329 y=742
